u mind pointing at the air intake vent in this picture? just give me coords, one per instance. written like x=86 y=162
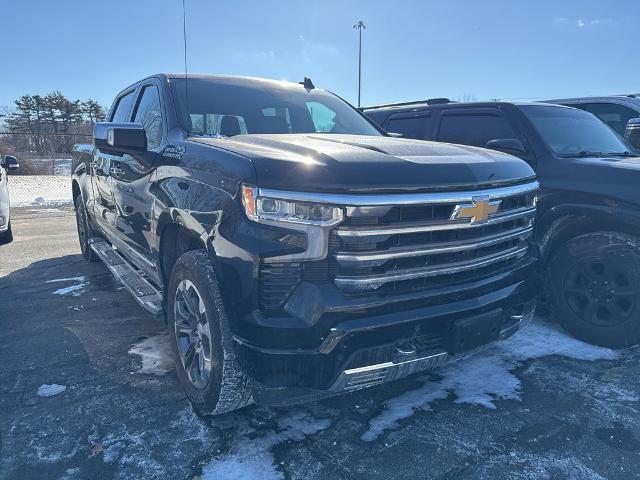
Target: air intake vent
x=277 y=282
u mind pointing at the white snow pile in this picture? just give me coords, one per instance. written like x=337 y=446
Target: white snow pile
x=156 y=355
x=487 y=376
x=40 y=190
x=50 y=390
x=251 y=458
x=75 y=290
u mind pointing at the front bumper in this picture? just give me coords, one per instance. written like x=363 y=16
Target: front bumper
x=365 y=350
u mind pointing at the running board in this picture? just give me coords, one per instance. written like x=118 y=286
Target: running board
x=147 y=296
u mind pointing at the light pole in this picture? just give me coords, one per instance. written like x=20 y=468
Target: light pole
x=359 y=25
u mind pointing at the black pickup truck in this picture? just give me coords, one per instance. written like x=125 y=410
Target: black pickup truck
x=588 y=224
x=296 y=250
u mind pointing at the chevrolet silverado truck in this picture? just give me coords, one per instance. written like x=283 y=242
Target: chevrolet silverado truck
x=588 y=225
x=295 y=250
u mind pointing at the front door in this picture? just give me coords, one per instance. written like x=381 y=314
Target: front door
x=131 y=179
x=104 y=204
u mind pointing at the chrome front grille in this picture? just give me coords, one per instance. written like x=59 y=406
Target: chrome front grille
x=409 y=242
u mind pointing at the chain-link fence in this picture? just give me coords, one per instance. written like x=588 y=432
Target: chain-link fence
x=41 y=186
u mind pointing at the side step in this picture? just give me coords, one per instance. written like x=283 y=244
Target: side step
x=142 y=290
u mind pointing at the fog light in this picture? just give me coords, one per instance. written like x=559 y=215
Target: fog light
x=2 y=220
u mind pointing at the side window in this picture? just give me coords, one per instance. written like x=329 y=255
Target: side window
x=411 y=127
x=123 y=108
x=616 y=116
x=473 y=129
x=149 y=115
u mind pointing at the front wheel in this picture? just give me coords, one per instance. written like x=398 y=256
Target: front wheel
x=6 y=236
x=202 y=342
x=594 y=288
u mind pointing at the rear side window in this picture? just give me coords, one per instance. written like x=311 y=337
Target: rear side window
x=148 y=113
x=616 y=116
x=123 y=108
x=411 y=127
x=474 y=129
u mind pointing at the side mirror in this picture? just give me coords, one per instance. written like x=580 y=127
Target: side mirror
x=10 y=163
x=395 y=135
x=632 y=133
x=507 y=145
x=120 y=138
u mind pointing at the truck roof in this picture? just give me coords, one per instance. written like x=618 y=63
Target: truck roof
x=419 y=105
x=231 y=79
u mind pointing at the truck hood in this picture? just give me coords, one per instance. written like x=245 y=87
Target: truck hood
x=356 y=163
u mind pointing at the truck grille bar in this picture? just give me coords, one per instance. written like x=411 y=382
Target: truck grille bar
x=387 y=248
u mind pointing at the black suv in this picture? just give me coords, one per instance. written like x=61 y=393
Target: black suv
x=588 y=223
x=295 y=249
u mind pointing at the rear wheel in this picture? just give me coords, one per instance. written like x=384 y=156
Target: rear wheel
x=594 y=288
x=202 y=343
x=85 y=232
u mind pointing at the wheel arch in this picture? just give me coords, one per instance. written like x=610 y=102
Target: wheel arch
x=175 y=240
x=560 y=224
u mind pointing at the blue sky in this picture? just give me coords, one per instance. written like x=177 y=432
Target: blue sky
x=411 y=49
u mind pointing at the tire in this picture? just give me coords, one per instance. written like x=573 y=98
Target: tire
x=199 y=327
x=7 y=236
x=594 y=288
x=85 y=232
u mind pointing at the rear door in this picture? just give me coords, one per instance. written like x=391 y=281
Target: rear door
x=131 y=180
x=104 y=204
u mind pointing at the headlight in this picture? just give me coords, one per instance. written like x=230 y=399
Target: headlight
x=268 y=209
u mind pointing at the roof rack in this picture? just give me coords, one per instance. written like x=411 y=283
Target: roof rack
x=428 y=101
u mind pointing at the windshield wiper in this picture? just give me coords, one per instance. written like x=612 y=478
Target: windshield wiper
x=626 y=153
x=583 y=153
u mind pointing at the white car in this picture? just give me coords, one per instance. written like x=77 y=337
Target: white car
x=7 y=164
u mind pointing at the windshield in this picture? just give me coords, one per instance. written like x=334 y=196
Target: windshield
x=571 y=132
x=231 y=107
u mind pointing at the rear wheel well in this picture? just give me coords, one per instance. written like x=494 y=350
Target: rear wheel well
x=174 y=241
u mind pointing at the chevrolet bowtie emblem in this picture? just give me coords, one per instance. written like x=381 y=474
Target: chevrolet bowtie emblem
x=477 y=211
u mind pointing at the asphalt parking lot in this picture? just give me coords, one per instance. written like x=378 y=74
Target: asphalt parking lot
x=87 y=391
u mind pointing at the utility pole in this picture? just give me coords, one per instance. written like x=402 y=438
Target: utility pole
x=359 y=25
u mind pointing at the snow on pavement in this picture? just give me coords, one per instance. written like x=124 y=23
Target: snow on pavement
x=487 y=376
x=251 y=458
x=50 y=390
x=156 y=354
x=76 y=289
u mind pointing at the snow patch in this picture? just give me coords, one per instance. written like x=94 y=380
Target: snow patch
x=75 y=290
x=487 y=376
x=156 y=354
x=251 y=458
x=50 y=390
